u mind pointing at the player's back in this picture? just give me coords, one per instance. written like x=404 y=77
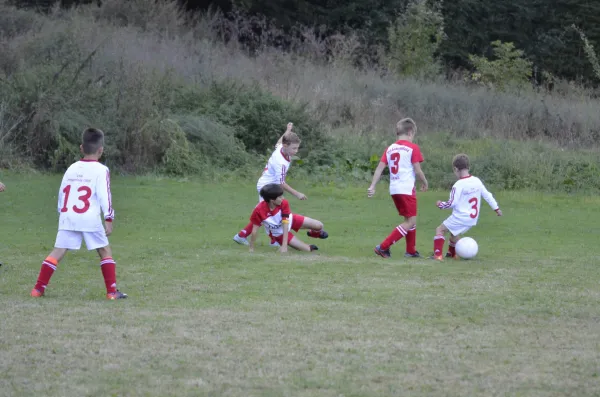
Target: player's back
x=467 y=193
x=276 y=168
x=400 y=157
x=84 y=194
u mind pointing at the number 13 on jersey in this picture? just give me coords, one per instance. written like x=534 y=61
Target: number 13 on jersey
x=84 y=198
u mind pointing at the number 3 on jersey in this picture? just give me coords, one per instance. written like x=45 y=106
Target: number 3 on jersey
x=84 y=198
x=474 y=207
x=395 y=159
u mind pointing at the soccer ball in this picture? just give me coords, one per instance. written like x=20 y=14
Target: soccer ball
x=466 y=248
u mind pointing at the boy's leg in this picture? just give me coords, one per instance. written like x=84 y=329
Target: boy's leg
x=315 y=227
x=296 y=243
x=242 y=236
x=65 y=240
x=452 y=246
x=99 y=242
x=406 y=204
x=438 y=242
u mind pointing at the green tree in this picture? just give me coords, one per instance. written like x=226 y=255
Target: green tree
x=509 y=69
x=414 y=39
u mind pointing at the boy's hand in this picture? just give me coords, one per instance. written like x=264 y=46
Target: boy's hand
x=108 y=226
x=283 y=249
x=251 y=249
x=424 y=186
x=370 y=191
x=289 y=127
x=438 y=203
x=301 y=196
x=2 y=187
x=499 y=212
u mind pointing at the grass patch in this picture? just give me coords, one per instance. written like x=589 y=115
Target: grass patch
x=205 y=317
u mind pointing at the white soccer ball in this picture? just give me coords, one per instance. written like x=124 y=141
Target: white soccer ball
x=466 y=248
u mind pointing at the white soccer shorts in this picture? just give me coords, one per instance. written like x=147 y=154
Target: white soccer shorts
x=456 y=226
x=71 y=240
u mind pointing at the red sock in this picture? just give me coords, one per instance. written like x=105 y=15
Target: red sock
x=394 y=236
x=245 y=232
x=452 y=249
x=48 y=267
x=109 y=271
x=438 y=245
x=411 y=240
x=314 y=233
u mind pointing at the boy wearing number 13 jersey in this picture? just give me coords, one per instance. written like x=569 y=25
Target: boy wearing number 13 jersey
x=465 y=201
x=403 y=158
x=84 y=194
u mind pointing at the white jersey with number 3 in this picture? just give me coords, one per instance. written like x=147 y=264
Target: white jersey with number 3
x=400 y=157
x=83 y=196
x=276 y=169
x=465 y=200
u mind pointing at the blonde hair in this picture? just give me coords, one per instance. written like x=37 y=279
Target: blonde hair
x=461 y=162
x=289 y=138
x=406 y=126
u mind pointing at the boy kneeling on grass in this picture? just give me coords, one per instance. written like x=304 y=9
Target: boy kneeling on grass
x=275 y=214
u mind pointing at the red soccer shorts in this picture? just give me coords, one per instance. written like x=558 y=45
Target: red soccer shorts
x=297 y=222
x=406 y=204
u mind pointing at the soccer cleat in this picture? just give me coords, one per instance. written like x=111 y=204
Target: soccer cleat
x=437 y=258
x=323 y=235
x=382 y=253
x=415 y=255
x=116 y=295
x=240 y=240
x=36 y=293
x=313 y=248
x=274 y=244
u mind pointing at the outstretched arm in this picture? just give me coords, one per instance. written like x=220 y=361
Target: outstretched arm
x=289 y=129
x=454 y=196
x=2 y=187
x=487 y=196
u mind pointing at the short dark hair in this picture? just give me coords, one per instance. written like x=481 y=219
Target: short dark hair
x=271 y=191
x=461 y=161
x=92 y=139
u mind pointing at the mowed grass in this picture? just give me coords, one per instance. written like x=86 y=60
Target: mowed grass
x=206 y=318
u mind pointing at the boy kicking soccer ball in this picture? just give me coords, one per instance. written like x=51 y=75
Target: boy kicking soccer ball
x=403 y=158
x=274 y=172
x=465 y=201
x=275 y=214
x=84 y=193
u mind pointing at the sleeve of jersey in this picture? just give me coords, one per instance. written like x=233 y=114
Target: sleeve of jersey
x=282 y=172
x=417 y=156
x=105 y=197
x=285 y=209
x=384 y=157
x=451 y=203
x=255 y=217
x=487 y=196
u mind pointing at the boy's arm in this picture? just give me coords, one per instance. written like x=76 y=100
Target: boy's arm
x=294 y=192
x=2 y=187
x=105 y=198
x=284 y=244
x=376 y=177
x=253 y=235
x=454 y=196
x=289 y=129
x=487 y=196
x=421 y=176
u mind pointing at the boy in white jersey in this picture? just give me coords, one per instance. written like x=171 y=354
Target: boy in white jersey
x=465 y=201
x=84 y=193
x=275 y=172
x=404 y=159
x=275 y=215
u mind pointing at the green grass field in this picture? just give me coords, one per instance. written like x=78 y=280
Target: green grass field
x=205 y=317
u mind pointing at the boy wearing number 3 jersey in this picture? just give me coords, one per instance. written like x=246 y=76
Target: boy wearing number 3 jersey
x=403 y=158
x=83 y=196
x=465 y=201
